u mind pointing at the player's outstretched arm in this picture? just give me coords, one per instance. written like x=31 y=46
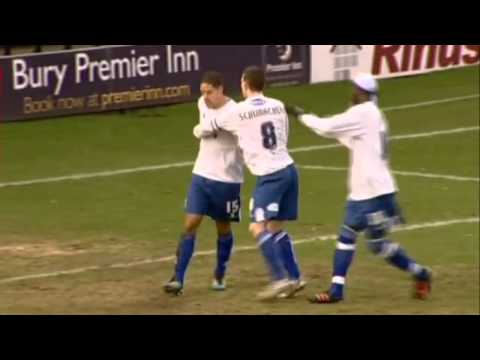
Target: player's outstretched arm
x=347 y=124
x=294 y=110
x=311 y=121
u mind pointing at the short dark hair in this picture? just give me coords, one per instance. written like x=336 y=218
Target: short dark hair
x=255 y=78
x=213 y=78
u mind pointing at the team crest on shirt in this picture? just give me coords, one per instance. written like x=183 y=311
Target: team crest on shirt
x=258 y=102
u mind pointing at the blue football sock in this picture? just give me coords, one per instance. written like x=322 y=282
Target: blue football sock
x=343 y=258
x=185 y=251
x=224 y=250
x=287 y=254
x=271 y=255
x=397 y=257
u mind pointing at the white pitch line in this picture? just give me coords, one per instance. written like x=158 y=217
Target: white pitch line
x=435 y=133
x=189 y=163
x=429 y=103
x=97 y=174
x=395 y=137
x=294 y=150
x=401 y=173
x=426 y=225
x=436 y=176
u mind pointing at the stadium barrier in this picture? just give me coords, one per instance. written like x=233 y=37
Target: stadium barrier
x=340 y=62
x=124 y=76
x=27 y=49
x=118 y=77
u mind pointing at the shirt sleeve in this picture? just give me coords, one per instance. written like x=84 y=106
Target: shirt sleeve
x=202 y=133
x=228 y=121
x=202 y=110
x=342 y=126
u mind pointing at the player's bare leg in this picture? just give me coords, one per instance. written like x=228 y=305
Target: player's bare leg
x=184 y=253
x=192 y=223
x=257 y=228
x=224 y=250
x=223 y=228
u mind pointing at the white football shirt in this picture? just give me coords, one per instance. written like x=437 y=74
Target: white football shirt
x=219 y=158
x=261 y=126
x=364 y=131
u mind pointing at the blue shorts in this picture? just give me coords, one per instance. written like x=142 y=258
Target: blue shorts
x=216 y=199
x=276 y=196
x=382 y=210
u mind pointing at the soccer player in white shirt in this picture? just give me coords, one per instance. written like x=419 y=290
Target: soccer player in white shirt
x=371 y=206
x=215 y=187
x=261 y=126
